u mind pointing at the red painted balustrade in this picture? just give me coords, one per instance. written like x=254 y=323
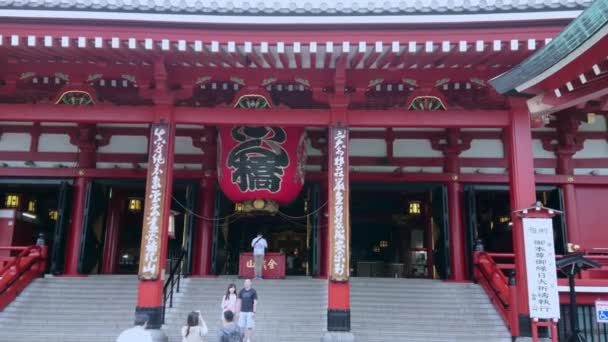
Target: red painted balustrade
x=491 y=269
x=19 y=269
x=503 y=295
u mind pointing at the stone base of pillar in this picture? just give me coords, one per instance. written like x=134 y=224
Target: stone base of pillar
x=158 y=335
x=337 y=336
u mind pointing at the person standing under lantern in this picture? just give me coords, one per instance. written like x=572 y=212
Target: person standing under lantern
x=259 y=245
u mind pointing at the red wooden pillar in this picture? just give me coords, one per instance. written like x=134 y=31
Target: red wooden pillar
x=570 y=212
x=204 y=231
x=523 y=195
x=75 y=231
x=452 y=149
x=569 y=143
x=118 y=204
x=155 y=234
x=338 y=298
x=85 y=140
x=457 y=248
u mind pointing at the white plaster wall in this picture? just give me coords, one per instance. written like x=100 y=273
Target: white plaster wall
x=15 y=142
x=598 y=126
x=188 y=166
x=593 y=148
x=114 y=166
x=484 y=170
x=592 y=172
x=55 y=143
x=311 y=151
x=539 y=151
x=427 y=169
x=183 y=145
x=125 y=144
x=372 y=168
x=484 y=148
x=414 y=148
x=368 y=147
x=313 y=168
x=544 y=171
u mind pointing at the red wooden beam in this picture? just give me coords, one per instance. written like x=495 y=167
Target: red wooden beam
x=90 y=114
x=231 y=116
x=438 y=119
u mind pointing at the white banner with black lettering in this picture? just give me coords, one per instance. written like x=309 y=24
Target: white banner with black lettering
x=540 y=267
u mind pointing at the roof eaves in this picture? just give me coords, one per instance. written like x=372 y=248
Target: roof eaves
x=583 y=28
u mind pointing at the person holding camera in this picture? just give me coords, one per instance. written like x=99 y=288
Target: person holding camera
x=195 y=328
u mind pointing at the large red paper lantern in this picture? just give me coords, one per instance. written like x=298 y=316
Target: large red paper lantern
x=261 y=163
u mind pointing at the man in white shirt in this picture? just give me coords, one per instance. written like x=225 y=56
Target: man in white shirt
x=259 y=245
x=138 y=333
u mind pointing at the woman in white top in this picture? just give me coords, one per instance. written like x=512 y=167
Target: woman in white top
x=195 y=328
x=229 y=300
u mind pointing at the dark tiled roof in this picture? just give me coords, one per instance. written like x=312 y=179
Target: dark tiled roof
x=572 y=37
x=300 y=7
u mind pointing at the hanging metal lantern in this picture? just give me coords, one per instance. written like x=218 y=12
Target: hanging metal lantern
x=261 y=163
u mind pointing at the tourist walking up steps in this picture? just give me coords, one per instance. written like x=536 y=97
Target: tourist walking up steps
x=138 y=333
x=230 y=332
x=195 y=328
x=246 y=308
x=259 y=245
x=229 y=300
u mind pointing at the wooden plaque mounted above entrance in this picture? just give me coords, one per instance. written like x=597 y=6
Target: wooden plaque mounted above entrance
x=339 y=204
x=151 y=242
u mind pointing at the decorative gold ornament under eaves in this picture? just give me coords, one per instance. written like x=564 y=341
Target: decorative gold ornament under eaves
x=257 y=206
x=430 y=103
x=75 y=98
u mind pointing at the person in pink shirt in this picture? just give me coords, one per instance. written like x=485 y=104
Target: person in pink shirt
x=229 y=300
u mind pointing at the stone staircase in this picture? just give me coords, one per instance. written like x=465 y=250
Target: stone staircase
x=94 y=308
x=291 y=310
x=423 y=310
x=98 y=308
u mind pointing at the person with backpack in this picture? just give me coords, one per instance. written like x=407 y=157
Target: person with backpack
x=230 y=332
x=259 y=245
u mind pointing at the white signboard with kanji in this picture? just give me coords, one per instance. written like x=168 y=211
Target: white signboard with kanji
x=540 y=268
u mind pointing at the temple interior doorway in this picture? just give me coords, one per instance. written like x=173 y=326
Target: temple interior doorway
x=399 y=230
x=488 y=216
x=293 y=231
x=113 y=221
x=31 y=207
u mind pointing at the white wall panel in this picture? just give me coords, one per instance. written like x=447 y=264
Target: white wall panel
x=598 y=126
x=188 y=166
x=484 y=170
x=368 y=147
x=114 y=166
x=593 y=172
x=183 y=145
x=544 y=171
x=593 y=148
x=311 y=151
x=55 y=143
x=539 y=151
x=126 y=144
x=414 y=148
x=15 y=142
x=484 y=148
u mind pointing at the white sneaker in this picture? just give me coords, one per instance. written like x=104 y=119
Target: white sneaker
x=248 y=340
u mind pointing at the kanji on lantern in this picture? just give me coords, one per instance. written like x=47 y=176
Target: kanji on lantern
x=261 y=162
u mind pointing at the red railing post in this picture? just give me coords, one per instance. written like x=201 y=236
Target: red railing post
x=513 y=311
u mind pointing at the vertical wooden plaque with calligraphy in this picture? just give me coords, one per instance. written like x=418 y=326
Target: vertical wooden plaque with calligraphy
x=151 y=241
x=339 y=204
